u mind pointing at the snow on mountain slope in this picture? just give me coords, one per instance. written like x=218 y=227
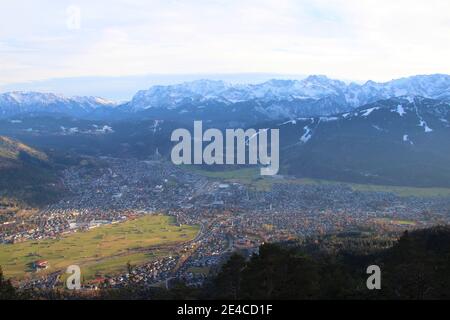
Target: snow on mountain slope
x=376 y=143
x=14 y=103
x=415 y=117
x=429 y=86
x=215 y=100
x=328 y=96
x=313 y=87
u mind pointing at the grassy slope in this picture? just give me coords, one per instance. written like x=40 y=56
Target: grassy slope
x=11 y=149
x=104 y=249
x=26 y=174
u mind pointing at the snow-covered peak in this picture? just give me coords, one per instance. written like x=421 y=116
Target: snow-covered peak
x=316 y=95
x=429 y=86
x=94 y=102
x=313 y=87
x=19 y=102
x=28 y=98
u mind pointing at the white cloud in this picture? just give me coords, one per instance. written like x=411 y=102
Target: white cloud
x=351 y=39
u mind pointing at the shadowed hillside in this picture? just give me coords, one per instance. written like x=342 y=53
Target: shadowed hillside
x=26 y=174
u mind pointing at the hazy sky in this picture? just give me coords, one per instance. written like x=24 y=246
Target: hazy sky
x=347 y=39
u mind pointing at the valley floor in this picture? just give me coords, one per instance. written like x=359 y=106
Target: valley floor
x=110 y=218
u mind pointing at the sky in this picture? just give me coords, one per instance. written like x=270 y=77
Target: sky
x=42 y=41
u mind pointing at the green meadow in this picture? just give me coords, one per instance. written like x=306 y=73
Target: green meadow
x=252 y=178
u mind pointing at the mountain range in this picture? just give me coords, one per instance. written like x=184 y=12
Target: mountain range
x=218 y=100
x=29 y=103
x=313 y=87
x=398 y=141
x=396 y=133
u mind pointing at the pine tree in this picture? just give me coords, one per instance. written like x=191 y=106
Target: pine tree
x=7 y=290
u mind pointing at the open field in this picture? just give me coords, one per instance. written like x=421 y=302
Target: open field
x=251 y=177
x=404 y=191
x=397 y=222
x=103 y=250
x=243 y=175
x=247 y=176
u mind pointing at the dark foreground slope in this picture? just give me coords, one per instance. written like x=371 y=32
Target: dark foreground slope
x=414 y=267
x=26 y=174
